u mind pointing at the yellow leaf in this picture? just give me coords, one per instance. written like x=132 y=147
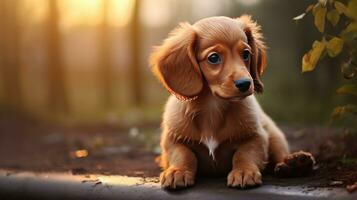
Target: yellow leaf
x=323 y=2
x=309 y=8
x=311 y=58
x=340 y=7
x=334 y=46
x=320 y=14
x=352 y=9
x=306 y=63
x=350 y=32
x=352 y=27
x=317 y=49
x=348 y=89
x=340 y=111
x=333 y=16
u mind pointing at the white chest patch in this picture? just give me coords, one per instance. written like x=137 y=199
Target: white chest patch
x=211 y=144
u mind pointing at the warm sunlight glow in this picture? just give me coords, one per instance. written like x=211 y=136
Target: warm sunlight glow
x=120 y=12
x=83 y=12
x=88 y=12
x=36 y=10
x=80 y=12
x=202 y=8
x=156 y=13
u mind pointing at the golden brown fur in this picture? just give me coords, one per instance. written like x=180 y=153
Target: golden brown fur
x=209 y=126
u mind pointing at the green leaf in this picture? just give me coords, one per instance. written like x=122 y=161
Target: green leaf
x=311 y=58
x=333 y=16
x=340 y=7
x=352 y=9
x=334 y=46
x=299 y=16
x=348 y=89
x=320 y=14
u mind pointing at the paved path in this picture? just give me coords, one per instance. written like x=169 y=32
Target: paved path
x=28 y=185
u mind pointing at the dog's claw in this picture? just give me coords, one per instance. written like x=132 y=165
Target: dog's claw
x=244 y=178
x=173 y=178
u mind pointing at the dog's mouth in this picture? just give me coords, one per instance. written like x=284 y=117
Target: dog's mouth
x=233 y=98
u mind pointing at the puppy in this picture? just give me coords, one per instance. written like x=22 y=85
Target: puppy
x=213 y=124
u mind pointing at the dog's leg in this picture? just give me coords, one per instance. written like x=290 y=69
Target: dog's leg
x=278 y=145
x=248 y=160
x=181 y=167
x=285 y=164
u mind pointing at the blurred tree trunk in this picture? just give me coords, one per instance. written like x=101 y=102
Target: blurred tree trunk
x=105 y=58
x=57 y=96
x=10 y=54
x=134 y=70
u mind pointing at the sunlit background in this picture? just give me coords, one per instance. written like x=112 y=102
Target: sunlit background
x=85 y=61
x=77 y=94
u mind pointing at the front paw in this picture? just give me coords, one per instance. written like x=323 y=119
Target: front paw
x=241 y=178
x=174 y=178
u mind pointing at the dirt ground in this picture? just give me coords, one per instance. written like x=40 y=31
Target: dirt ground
x=27 y=145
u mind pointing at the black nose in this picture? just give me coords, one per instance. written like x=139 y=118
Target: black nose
x=242 y=84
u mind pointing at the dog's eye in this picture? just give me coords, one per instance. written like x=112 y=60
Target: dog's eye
x=214 y=58
x=246 y=55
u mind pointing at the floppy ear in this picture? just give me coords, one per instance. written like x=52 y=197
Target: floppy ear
x=175 y=65
x=255 y=41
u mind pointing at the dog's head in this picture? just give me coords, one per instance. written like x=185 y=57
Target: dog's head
x=227 y=55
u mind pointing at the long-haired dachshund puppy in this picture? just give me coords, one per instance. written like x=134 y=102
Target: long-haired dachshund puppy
x=212 y=122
